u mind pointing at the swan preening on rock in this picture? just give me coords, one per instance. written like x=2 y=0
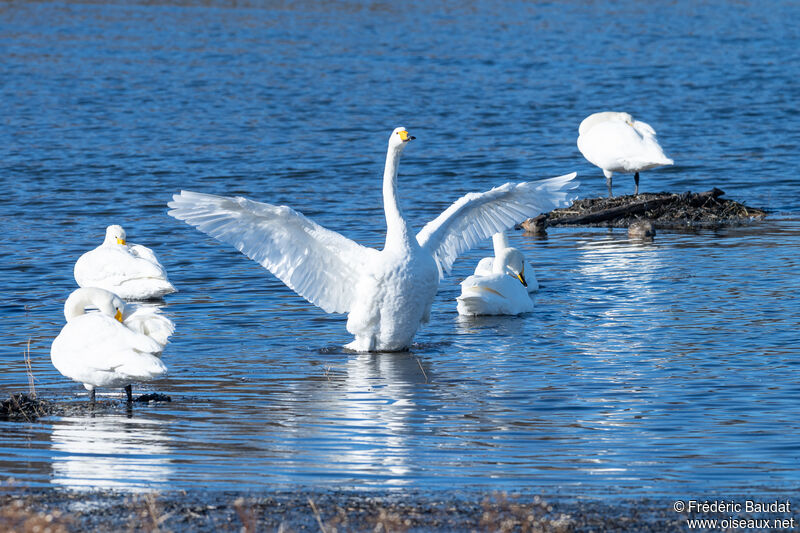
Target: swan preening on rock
x=500 y=284
x=131 y=271
x=113 y=347
x=616 y=142
x=387 y=293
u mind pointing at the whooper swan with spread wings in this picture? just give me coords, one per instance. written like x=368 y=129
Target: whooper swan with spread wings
x=386 y=293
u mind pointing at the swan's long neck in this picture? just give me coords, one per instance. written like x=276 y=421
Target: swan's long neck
x=396 y=226
x=80 y=299
x=500 y=241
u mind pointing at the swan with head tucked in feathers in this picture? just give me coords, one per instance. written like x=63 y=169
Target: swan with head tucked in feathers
x=616 y=142
x=500 y=243
x=113 y=347
x=131 y=271
x=503 y=291
x=386 y=293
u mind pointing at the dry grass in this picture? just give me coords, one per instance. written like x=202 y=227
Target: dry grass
x=147 y=514
x=504 y=514
x=247 y=515
x=19 y=517
x=22 y=407
x=29 y=370
x=423 y=370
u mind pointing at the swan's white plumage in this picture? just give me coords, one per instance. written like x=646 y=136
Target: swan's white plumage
x=388 y=293
x=616 y=142
x=499 y=292
x=320 y=265
x=150 y=322
x=476 y=216
x=485 y=266
x=131 y=271
x=98 y=350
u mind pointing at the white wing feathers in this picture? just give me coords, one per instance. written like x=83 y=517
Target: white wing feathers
x=477 y=216
x=320 y=265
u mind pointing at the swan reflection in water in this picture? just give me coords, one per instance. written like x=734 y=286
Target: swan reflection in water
x=368 y=409
x=110 y=452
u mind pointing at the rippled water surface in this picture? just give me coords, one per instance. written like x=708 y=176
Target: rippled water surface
x=646 y=369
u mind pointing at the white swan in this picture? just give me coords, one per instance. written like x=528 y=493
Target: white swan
x=386 y=293
x=501 y=292
x=110 y=348
x=616 y=143
x=131 y=271
x=500 y=242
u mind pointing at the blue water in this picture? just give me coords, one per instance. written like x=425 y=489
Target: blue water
x=668 y=368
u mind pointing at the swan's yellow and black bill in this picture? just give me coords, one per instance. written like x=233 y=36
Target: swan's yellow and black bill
x=118 y=316
x=521 y=278
x=120 y=241
x=404 y=136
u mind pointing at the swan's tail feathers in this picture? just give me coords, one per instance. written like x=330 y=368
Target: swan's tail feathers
x=143 y=367
x=149 y=321
x=470 y=305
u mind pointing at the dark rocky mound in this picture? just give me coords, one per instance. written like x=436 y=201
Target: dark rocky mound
x=664 y=210
x=27 y=408
x=21 y=407
x=153 y=397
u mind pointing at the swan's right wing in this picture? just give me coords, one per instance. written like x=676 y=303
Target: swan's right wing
x=320 y=265
x=477 y=216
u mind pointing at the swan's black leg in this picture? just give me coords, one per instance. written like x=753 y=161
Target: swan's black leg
x=129 y=392
x=608 y=184
x=636 y=181
x=91 y=396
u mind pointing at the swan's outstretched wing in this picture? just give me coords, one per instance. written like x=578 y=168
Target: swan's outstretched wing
x=477 y=216
x=320 y=265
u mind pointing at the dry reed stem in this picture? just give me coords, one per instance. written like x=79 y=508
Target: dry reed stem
x=29 y=370
x=423 y=370
x=317 y=516
x=247 y=516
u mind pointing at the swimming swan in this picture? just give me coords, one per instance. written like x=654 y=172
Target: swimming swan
x=388 y=293
x=500 y=242
x=501 y=292
x=114 y=347
x=131 y=271
x=617 y=143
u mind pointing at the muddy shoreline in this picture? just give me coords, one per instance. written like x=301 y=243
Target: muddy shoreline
x=665 y=210
x=336 y=510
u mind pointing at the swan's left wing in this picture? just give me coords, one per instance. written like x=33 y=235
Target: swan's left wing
x=320 y=265
x=477 y=216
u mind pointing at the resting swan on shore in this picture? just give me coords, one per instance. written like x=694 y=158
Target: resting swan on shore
x=113 y=347
x=616 y=143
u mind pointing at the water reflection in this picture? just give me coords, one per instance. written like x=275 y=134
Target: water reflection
x=370 y=405
x=110 y=452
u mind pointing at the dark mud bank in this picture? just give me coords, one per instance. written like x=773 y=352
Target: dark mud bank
x=665 y=210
